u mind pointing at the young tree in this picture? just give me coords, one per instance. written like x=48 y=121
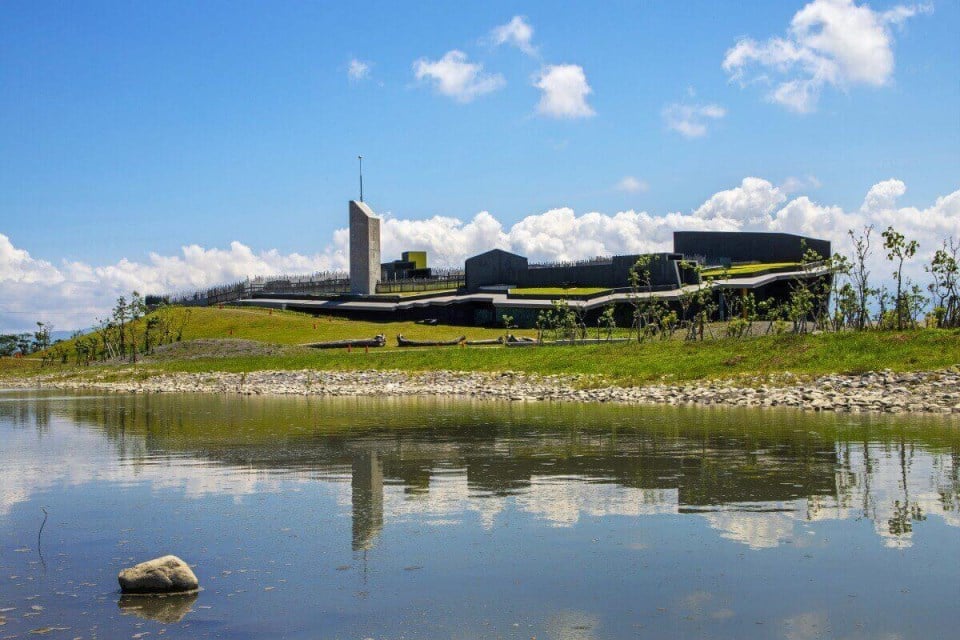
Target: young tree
x=120 y=322
x=899 y=250
x=9 y=344
x=647 y=310
x=945 y=288
x=564 y=321
x=135 y=310
x=846 y=307
x=607 y=321
x=861 y=276
x=507 y=324
x=705 y=306
x=687 y=295
x=41 y=337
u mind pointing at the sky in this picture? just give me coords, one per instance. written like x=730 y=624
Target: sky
x=172 y=146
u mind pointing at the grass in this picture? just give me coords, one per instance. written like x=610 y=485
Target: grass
x=392 y=295
x=559 y=291
x=749 y=269
x=621 y=363
x=641 y=363
x=431 y=292
x=292 y=328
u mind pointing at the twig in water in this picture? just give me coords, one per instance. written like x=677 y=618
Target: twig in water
x=45 y=514
x=39 y=533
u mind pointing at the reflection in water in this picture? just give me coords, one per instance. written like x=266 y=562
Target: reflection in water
x=367 y=485
x=753 y=476
x=561 y=521
x=165 y=609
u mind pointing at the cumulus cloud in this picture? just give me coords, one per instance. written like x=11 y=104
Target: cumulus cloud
x=631 y=184
x=73 y=294
x=455 y=77
x=17 y=266
x=564 y=92
x=358 y=70
x=829 y=42
x=690 y=120
x=517 y=33
x=793 y=184
x=448 y=240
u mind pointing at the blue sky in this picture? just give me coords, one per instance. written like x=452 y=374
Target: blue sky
x=131 y=128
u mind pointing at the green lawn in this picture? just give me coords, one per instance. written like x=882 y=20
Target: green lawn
x=559 y=291
x=432 y=292
x=750 y=269
x=633 y=363
x=291 y=327
x=622 y=363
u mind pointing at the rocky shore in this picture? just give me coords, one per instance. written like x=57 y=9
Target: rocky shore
x=877 y=392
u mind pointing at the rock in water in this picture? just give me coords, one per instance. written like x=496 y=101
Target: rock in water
x=168 y=574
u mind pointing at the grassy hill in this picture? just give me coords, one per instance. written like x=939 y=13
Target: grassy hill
x=293 y=328
x=247 y=339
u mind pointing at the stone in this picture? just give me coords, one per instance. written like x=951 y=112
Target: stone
x=168 y=574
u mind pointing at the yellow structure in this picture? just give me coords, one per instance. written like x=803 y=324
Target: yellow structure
x=418 y=258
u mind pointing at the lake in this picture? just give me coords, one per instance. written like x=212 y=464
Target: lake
x=420 y=518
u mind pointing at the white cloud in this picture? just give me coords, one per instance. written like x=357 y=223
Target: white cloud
x=793 y=184
x=631 y=184
x=750 y=203
x=829 y=42
x=358 y=70
x=456 y=78
x=565 y=92
x=17 y=266
x=517 y=33
x=899 y=14
x=883 y=195
x=447 y=240
x=690 y=120
x=74 y=294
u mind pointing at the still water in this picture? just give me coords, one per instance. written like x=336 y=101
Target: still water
x=360 y=518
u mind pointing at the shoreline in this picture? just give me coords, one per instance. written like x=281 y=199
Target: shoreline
x=929 y=392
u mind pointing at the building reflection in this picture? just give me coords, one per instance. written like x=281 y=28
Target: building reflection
x=367 y=499
x=444 y=464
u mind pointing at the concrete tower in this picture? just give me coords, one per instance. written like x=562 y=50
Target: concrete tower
x=364 y=249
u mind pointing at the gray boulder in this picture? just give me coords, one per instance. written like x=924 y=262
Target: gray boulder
x=168 y=574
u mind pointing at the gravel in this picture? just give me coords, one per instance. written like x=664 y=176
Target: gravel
x=873 y=392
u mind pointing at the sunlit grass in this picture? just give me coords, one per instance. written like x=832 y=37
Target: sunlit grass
x=624 y=363
x=749 y=269
x=632 y=363
x=559 y=291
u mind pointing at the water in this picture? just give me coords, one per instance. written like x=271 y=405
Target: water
x=359 y=518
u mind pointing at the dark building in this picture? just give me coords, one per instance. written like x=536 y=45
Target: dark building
x=412 y=264
x=499 y=267
x=726 y=247
x=488 y=289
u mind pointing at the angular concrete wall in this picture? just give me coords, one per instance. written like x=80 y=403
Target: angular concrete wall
x=740 y=246
x=364 y=249
x=495 y=267
x=502 y=267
